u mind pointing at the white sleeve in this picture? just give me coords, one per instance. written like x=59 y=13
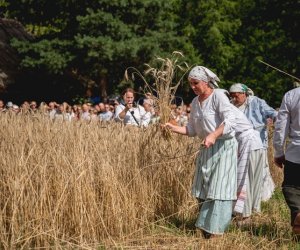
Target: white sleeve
x=190 y=127
x=144 y=116
x=226 y=112
x=118 y=110
x=281 y=127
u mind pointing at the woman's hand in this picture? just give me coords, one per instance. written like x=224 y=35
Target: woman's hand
x=174 y=128
x=212 y=137
x=169 y=125
x=210 y=140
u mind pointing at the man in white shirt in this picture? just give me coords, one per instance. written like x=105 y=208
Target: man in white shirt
x=128 y=113
x=105 y=114
x=85 y=116
x=287 y=152
x=52 y=110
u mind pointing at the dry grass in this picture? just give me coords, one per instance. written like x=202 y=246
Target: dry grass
x=105 y=186
x=164 y=80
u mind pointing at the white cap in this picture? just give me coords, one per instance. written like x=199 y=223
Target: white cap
x=9 y=104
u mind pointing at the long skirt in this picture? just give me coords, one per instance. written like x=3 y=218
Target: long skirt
x=268 y=183
x=254 y=182
x=215 y=183
x=214 y=216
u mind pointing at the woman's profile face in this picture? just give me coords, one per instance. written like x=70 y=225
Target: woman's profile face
x=198 y=86
x=128 y=97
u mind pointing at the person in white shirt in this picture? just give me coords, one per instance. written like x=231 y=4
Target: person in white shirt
x=61 y=114
x=149 y=111
x=52 y=110
x=251 y=158
x=105 y=113
x=215 y=182
x=286 y=142
x=128 y=112
x=260 y=114
x=85 y=115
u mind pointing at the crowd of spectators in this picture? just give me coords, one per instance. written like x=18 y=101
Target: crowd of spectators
x=99 y=112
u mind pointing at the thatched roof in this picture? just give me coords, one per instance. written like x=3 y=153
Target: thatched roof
x=9 y=60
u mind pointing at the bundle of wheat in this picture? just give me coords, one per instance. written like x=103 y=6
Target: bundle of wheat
x=165 y=79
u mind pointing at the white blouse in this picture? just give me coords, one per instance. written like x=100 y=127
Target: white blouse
x=244 y=130
x=205 y=118
x=135 y=116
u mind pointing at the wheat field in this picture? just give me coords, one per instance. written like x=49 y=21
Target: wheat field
x=78 y=185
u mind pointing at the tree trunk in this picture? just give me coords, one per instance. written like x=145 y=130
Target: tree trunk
x=103 y=87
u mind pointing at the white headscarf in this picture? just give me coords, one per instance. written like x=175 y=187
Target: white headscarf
x=240 y=88
x=204 y=74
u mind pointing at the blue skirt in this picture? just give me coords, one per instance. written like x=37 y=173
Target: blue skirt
x=215 y=216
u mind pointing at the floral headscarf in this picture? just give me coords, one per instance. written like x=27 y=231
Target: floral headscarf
x=204 y=74
x=240 y=88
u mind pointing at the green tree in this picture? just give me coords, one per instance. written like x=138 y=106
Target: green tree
x=212 y=27
x=95 y=41
x=232 y=36
x=269 y=32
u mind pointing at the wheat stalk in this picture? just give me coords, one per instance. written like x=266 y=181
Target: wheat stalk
x=165 y=80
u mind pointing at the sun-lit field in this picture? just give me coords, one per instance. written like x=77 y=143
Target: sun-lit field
x=104 y=186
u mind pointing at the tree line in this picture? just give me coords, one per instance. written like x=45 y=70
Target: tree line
x=88 y=44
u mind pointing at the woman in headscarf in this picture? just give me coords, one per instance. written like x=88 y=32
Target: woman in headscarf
x=215 y=181
x=260 y=114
